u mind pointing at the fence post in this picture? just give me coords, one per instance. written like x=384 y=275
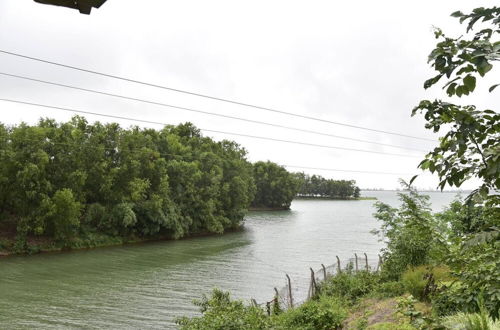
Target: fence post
x=313 y=281
x=268 y=307
x=254 y=302
x=366 y=260
x=379 y=264
x=356 y=257
x=290 y=291
x=339 y=270
x=324 y=271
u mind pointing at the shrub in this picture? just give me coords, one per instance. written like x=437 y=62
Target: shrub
x=476 y=321
x=220 y=312
x=389 y=289
x=322 y=313
x=421 y=281
x=412 y=234
x=350 y=286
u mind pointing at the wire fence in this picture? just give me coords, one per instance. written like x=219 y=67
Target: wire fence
x=292 y=295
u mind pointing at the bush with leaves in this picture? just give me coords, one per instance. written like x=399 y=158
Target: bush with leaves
x=412 y=234
x=324 y=313
x=470 y=148
x=349 y=286
x=219 y=311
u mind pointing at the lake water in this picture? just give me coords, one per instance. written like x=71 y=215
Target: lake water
x=148 y=285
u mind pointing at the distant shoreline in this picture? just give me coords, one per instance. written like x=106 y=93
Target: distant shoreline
x=362 y=198
x=422 y=191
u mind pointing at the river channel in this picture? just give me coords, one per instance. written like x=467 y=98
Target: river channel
x=148 y=285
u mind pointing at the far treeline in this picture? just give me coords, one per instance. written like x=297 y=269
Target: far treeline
x=77 y=184
x=317 y=186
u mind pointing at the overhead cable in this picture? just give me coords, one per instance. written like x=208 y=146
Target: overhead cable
x=161 y=104
x=135 y=81
x=206 y=130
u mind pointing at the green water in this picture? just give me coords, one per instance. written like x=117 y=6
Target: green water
x=149 y=285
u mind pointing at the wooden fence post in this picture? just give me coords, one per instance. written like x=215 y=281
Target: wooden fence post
x=366 y=260
x=313 y=281
x=324 y=271
x=379 y=264
x=339 y=270
x=356 y=257
x=254 y=302
x=290 y=291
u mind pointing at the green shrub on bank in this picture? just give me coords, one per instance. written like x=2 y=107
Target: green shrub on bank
x=222 y=313
x=325 y=312
x=421 y=281
x=350 y=286
x=475 y=321
x=389 y=289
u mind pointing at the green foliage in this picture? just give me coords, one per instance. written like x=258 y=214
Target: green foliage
x=477 y=269
x=349 y=286
x=389 y=289
x=465 y=218
x=406 y=307
x=474 y=321
x=462 y=59
x=220 y=312
x=64 y=180
x=65 y=215
x=471 y=148
x=422 y=281
x=276 y=187
x=323 y=313
x=411 y=232
x=317 y=186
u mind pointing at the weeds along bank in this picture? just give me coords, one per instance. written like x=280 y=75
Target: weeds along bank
x=430 y=279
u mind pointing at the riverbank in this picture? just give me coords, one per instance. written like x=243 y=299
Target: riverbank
x=335 y=198
x=264 y=208
x=89 y=241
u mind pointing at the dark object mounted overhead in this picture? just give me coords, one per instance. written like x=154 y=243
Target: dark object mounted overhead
x=84 y=6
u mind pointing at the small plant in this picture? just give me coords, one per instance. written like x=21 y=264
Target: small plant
x=389 y=289
x=475 y=321
x=362 y=322
x=350 y=286
x=323 y=313
x=422 y=282
x=406 y=307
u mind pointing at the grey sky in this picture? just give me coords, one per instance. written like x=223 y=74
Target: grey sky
x=357 y=62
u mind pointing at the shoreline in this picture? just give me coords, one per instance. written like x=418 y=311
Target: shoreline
x=8 y=254
x=363 y=198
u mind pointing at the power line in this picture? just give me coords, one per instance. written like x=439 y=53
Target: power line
x=203 y=112
x=205 y=130
x=211 y=97
x=340 y=170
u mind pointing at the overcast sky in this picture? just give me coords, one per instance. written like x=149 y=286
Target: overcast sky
x=361 y=63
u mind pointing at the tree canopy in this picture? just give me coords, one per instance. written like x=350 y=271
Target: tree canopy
x=318 y=186
x=61 y=179
x=276 y=187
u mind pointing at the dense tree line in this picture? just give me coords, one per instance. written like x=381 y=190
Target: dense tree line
x=276 y=187
x=59 y=180
x=318 y=186
x=75 y=182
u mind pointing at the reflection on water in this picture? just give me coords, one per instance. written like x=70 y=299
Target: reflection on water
x=149 y=285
